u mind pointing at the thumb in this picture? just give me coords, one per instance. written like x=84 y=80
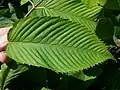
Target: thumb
x=2 y=46
x=3 y=57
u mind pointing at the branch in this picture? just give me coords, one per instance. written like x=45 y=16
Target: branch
x=33 y=8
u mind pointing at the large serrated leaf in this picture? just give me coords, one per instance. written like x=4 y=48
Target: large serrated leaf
x=55 y=43
x=74 y=10
x=7 y=74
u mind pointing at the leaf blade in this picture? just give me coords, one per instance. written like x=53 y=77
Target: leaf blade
x=73 y=10
x=7 y=74
x=57 y=44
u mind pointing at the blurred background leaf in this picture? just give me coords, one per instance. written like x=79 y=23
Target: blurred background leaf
x=113 y=4
x=23 y=2
x=91 y=3
x=105 y=30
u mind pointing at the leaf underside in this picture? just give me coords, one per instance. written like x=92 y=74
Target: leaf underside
x=56 y=44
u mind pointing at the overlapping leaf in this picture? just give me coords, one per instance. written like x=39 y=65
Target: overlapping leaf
x=34 y=1
x=45 y=88
x=55 y=43
x=82 y=76
x=113 y=4
x=23 y=1
x=103 y=27
x=74 y=10
x=7 y=74
x=91 y=3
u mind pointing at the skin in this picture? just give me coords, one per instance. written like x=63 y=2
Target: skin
x=3 y=43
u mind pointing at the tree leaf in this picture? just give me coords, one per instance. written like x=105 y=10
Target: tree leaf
x=79 y=75
x=82 y=76
x=23 y=1
x=91 y=3
x=112 y=4
x=3 y=12
x=89 y=74
x=103 y=27
x=5 y=22
x=7 y=74
x=45 y=88
x=74 y=10
x=36 y=1
x=56 y=44
x=70 y=83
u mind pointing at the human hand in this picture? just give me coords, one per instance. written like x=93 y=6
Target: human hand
x=3 y=43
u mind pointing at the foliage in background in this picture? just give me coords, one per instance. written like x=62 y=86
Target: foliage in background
x=78 y=39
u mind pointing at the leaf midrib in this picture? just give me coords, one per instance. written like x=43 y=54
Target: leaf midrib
x=56 y=45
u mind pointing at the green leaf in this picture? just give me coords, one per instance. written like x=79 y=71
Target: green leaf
x=113 y=4
x=82 y=76
x=70 y=83
x=91 y=3
x=74 y=10
x=103 y=27
x=5 y=22
x=89 y=74
x=7 y=74
x=3 y=11
x=23 y=1
x=79 y=75
x=56 y=44
x=45 y=88
x=36 y=1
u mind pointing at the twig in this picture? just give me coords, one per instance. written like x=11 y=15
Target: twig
x=33 y=8
x=31 y=1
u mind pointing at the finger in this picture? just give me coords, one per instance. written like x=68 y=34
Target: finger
x=3 y=57
x=2 y=46
x=4 y=31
